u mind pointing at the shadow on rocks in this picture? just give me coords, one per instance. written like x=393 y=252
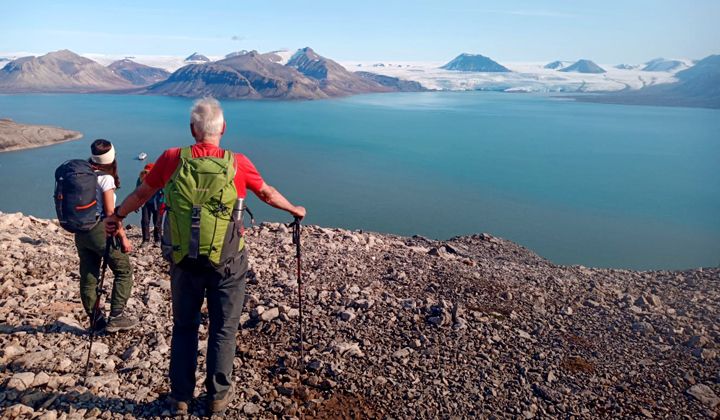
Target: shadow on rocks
x=59 y=327
x=15 y=402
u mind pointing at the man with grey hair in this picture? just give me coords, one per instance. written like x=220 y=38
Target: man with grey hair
x=203 y=265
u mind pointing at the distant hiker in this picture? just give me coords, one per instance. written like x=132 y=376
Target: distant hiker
x=150 y=210
x=91 y=243
x=204 y=191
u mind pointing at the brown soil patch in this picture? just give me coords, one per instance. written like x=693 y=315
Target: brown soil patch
x=577 y=364
x=344 y=406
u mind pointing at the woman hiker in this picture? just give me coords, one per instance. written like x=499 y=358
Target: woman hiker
x=150 y=210
x=91 y=246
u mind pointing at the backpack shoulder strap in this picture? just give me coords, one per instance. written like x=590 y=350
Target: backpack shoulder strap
x=186 y=152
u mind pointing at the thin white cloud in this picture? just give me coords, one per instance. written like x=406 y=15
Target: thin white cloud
x=519 y=12
x=138 y=37
x=539 y=13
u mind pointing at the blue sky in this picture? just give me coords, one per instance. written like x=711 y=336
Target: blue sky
x=627 y=31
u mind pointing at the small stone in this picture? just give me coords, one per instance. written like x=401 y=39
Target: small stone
x=12 y=351
x=270 y=314
x=251 y=409
x=523 y=334
x=100 y=349
x=380 y=380
x=276 y=407
x=567 y=311
x=130 y=353
x=286 y=389
x=93 y=413
x=314 y=365
x=41 y=378
x=704 y=394
x=591 y=303
x=18 y=410
x=402 y=353
x=347 y=315
x=697 y=341
x=64 y=364
x=21 y=381
x=48 y=415
x=349 y=349
x=550 y=378
x=644 y=328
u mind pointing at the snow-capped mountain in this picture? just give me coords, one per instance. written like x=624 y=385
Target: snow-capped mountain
x=557 y=65
x=138 y=74
x=662 y=64
x=279 y=56
x=475 y=63
x=584 y=66
x=196 y=58
x=626 y=66
x=524 y=77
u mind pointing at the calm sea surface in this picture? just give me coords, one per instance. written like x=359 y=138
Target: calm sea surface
x=579 y=183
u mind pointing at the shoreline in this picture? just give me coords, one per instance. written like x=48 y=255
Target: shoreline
x=596 y=97
x=17 y=136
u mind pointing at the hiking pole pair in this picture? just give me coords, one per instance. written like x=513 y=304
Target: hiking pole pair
x=109 y=243
x=296 y=228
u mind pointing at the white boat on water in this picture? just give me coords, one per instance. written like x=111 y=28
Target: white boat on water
x=142 y=156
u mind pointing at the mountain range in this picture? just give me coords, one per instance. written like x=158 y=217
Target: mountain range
x=59 y=71
x=697 y=86
x=304 y=74
x=241 y=75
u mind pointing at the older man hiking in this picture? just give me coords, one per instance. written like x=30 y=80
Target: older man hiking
x=204 y=190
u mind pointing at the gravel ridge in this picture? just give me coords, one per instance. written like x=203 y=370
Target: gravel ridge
x=396 y=327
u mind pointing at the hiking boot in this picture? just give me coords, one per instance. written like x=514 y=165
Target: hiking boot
x=218 y=406
x=120 y=323
x=178 y=407
x=100 y=323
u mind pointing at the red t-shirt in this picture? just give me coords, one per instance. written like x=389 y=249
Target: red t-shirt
x=246 y=176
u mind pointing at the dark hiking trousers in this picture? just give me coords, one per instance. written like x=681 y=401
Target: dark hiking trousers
x=150 y=212
x=225 y=295
x=91 y=247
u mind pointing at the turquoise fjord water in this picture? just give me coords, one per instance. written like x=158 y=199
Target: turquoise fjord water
x=579 y=183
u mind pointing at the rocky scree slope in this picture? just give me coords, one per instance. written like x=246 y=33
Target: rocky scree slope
x=400 y=327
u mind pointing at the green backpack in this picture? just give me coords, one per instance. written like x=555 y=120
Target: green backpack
x=201 y=218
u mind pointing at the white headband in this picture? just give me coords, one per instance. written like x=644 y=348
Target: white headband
x=105 y=158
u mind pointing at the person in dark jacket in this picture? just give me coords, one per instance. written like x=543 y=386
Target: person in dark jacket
x=150 y=211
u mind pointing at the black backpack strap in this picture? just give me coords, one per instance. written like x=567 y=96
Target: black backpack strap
x=194 y=244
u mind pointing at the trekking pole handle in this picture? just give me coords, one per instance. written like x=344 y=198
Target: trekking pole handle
x=296 y=234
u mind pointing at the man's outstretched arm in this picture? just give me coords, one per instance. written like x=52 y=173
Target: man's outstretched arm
x=271 y=196
x=131 y=203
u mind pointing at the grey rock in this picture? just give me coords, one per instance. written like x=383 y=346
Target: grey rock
x=704 y=394
x=251 y=409
x=270 y=314
x=21 y=381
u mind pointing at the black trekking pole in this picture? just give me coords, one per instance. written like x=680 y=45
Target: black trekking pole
x=296 y=240
x=109 y=243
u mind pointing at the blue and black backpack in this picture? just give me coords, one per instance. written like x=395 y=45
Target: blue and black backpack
x=75 y=202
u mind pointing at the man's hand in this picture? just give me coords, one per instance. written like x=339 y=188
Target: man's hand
x=112 y=225
x=298 y=211
x=125 y=244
